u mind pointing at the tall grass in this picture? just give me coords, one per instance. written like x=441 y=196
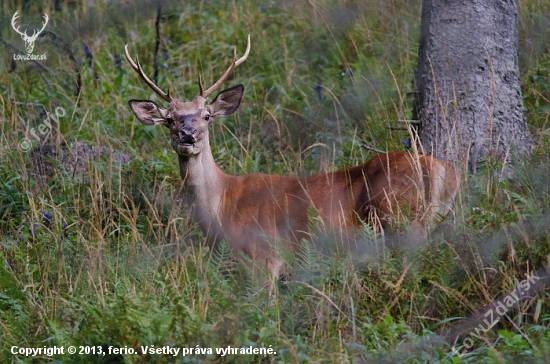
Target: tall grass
x=110 y=258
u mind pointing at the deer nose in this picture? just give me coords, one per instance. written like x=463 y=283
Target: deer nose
x=188 y=134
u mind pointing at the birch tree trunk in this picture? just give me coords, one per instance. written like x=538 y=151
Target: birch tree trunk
x=468 y=97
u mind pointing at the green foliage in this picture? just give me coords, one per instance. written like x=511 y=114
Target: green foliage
x=537 y=92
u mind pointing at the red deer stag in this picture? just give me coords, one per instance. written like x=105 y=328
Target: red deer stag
x=253 y=211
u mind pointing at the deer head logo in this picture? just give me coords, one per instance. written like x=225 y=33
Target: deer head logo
x=29 y=40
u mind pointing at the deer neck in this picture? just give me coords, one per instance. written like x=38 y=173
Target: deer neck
x=203 y=183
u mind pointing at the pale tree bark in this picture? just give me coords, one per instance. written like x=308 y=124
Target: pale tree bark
x=468 y=97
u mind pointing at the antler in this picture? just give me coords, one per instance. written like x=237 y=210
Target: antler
x=13 y=19
x=234 y=64
x=139 y=70
x=43 y=26
x=35 y=33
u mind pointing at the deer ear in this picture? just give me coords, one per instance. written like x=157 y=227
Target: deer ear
x=227 y=101
x=148 y=112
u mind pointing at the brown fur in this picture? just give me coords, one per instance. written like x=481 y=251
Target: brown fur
x=257 y=210
x=256 y=213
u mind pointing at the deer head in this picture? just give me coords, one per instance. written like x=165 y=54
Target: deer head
x=29 y=40
x=188 y=121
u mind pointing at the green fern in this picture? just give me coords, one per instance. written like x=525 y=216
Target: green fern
x=221 y=254
x=308 y=257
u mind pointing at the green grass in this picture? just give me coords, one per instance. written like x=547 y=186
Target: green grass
x=120 y=264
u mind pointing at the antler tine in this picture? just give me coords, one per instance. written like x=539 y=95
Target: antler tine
x=201 y=89
x=245 y=55
x=46 y=18
x=234 y=64
x=139 y=70
x=14 y=20
x=37 y=32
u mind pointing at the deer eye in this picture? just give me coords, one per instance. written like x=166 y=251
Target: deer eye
x=169 y=120
x=207 y=117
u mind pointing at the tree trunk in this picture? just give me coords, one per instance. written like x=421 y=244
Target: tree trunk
x=468 y=96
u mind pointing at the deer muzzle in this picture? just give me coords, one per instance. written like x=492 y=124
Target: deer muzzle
x=188 y=135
